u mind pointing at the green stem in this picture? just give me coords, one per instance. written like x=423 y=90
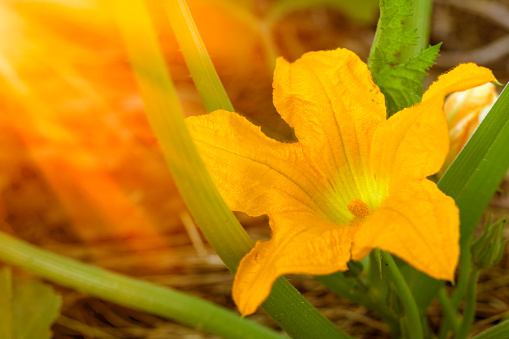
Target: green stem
x=419 y=21
x=218 y=224
x=165 y=115
x=361 y=294
x=461 y=288
x=450 y=316
x=198 y=61
x=465 y=267
x=469 y=311
x=413 y=318
x=130 y=292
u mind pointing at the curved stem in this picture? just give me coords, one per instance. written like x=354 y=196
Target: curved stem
x=450 y=316
x=130 y=292
x=166 y=118
x=413 y=318
x=461 y=288
x=469 y=312
x=198 y=61
x=222 y=230
x=465 y=267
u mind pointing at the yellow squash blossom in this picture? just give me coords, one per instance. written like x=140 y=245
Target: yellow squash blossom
x=353 y=182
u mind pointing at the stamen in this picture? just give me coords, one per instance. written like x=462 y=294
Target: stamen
x=358 y=208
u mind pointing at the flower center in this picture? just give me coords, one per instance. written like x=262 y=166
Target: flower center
x=358 y=208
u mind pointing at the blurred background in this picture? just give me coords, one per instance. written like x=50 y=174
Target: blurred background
x=81 y=173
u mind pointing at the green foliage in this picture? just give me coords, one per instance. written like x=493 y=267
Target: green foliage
x=27 y=308
x=399 y=78
x=402 y=84
x=499 y=331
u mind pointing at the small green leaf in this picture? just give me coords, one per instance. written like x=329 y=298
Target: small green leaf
x=27 y=308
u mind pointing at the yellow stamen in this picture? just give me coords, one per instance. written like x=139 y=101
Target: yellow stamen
x=358 y=208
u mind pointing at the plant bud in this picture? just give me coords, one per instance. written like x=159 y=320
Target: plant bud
x=487 y=250
x=465 y=111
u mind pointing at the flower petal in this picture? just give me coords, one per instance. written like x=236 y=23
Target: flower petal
x=472 y=101
x=305 y=245
x=255 y=174
x=460 y=78
x=414 y=142
x=419 y=224
x=334 y=106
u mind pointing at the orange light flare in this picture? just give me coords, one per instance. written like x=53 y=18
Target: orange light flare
x=67 y=92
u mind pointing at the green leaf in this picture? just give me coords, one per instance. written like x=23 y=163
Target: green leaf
x=133 y=293
x=398 y=74
x=402 y=84
x=27 y=308
x=499 y=331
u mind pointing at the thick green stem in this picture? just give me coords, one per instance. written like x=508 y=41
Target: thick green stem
x=130 y=292
x=413 y=318
x=469 y=311
x=419 y=21
x=231 y=242
x=198 y=61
